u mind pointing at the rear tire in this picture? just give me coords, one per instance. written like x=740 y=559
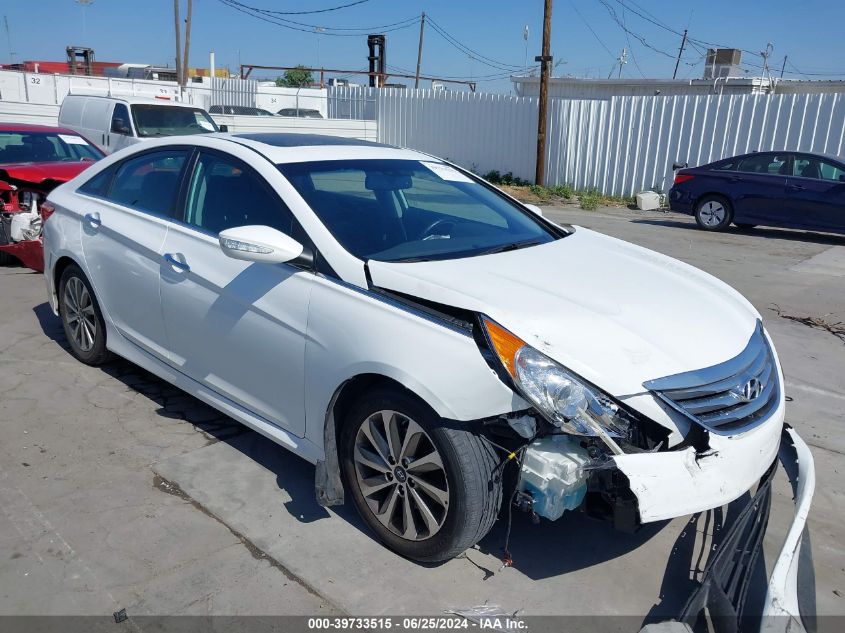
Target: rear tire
x=81 y=317
x=6 y=258
x=452 y=496
x=713 y=213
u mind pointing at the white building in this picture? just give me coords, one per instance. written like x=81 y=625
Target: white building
x=573 y=88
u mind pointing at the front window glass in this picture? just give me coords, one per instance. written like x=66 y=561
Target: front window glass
x=149 y=182
x=164 y=120
x=407 y=210
x=225 y=193
x=120 y=120
x=43 y=147
x=809 y=167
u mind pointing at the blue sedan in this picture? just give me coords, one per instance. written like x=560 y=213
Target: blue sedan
x=787 y=189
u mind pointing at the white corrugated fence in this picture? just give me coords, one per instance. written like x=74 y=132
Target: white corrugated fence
x=628 y=144
x=620 y=146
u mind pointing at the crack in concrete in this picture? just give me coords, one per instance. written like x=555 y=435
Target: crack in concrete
x=173 y=488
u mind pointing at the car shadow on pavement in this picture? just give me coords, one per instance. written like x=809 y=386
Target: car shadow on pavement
x=547 y=548
x=794 y=235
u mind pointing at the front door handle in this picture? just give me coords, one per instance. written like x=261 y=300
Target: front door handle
x=174 y=261
x=93 y=220
x=795 y=187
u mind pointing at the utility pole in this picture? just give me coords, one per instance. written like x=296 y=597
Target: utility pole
x=9 y=40
x=545 y=70
x=178 y=41
x=680 y=52
x=187 y=42
x=783 y=67
x=419 y=51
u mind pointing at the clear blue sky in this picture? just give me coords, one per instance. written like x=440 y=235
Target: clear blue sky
x=585 y=35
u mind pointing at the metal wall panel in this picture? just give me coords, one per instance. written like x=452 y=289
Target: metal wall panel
x=628 y=144
x=233 y=92
x=479 y=131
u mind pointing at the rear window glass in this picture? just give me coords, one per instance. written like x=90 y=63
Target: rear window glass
x=772 y=164
x=149 y=182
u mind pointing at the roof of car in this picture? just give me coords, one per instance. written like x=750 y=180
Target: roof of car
x=289 y=139
x=833 y=157
x=140 y=100
x=31 y=127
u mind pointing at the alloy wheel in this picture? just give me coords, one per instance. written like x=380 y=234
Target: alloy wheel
x=712 y=213
x=401 y=475
x=79 y=314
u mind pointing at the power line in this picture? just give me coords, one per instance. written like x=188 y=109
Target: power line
x=259 y=14
x=342 y=6
x=612 y=12
x=595 y=35
x=487 y=61
x=631 y=48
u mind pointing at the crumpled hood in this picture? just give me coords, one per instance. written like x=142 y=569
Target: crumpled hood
x=615 y=313
x=37 y=173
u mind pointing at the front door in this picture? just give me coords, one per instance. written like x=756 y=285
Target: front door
x=123 y=232
x=120 y=133
x=816 y=193
x=237 y=327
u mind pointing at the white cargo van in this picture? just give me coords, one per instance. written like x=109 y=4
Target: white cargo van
x=112 y=123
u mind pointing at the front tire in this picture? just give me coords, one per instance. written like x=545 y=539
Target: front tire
x=713 y=213
x=427 y=490
x=81 y=317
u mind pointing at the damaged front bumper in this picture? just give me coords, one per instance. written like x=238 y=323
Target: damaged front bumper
x=722 y=592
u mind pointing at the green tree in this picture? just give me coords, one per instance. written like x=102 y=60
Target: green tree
x=295 y=78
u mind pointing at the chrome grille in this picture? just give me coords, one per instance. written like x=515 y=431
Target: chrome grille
x=728 y=397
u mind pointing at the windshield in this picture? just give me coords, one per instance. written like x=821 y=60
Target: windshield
x=408 y=210
x=167 y=120
x=45 y=147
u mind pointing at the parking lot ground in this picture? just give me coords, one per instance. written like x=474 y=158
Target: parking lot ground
x=117 y=490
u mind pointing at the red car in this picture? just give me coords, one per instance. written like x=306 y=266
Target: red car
x=34 y=160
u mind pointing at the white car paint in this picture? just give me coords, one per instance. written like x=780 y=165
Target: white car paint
x=271 y=345
x=92 y=115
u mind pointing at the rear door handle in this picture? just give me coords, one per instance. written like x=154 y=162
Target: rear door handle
x=795 y=187
x=736 y=179
x=93 y=220
x=173 y=260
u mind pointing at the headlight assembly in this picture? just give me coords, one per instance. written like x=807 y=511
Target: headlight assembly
x=564 y=399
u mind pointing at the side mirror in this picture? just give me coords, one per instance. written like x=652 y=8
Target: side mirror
x=841 y=177
x=259 y=244
x=118 y=126
x=679 y=165
x=223 y=128
x=534 y=209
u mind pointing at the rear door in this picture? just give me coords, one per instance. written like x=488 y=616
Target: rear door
x=816 y=193
x=126 y=218
x=758 y=187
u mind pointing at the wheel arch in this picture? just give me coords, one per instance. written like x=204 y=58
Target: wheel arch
x=56 y=274
x=715 y=194
x=327 y=482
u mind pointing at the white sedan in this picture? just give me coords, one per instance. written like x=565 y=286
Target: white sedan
x=434 y=346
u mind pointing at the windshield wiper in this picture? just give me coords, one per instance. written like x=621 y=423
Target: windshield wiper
x=513 y=246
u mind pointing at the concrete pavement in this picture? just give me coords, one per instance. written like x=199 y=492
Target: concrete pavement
x=117 y=490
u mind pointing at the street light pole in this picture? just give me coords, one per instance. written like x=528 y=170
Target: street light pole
x=545 y=70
